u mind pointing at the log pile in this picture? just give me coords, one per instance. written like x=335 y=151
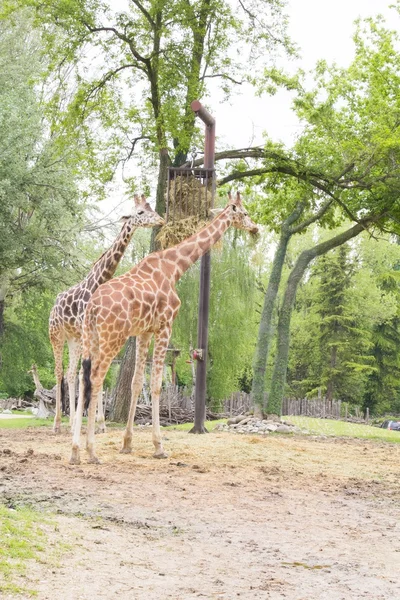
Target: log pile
x=169 y=416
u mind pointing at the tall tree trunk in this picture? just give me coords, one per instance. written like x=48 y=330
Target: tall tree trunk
x=330 y=386
x=1 y=318
x=122 y=393
x=281 y=361
x=265 y=328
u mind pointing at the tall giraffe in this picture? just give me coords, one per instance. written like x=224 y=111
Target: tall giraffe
x=66 y=316
x=143 y=302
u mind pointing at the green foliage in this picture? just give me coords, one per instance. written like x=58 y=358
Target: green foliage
x=345 y=306
x=232 y=323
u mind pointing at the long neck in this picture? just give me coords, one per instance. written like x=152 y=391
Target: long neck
x=105 y=267
x=185 y=254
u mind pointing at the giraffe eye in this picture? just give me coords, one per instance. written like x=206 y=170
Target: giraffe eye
x=140 y=212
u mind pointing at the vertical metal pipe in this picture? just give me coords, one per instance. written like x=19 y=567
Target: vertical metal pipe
x=204 y=295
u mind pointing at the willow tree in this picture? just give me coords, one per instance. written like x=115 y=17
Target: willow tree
x=40 y=211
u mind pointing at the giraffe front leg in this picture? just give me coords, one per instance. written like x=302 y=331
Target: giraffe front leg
x=77 y=426
x=90 y=439
x=142 y=348
x=160 y=349
x=74 y=352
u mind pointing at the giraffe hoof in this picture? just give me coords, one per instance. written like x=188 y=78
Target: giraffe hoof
x=125 y=451
x=160 y=455
x=101 y=429
x=57 y=429
x=74 y=460
x=94 y=461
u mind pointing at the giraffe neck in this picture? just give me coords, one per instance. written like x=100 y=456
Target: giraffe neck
x=185 y=254
x=105 y=267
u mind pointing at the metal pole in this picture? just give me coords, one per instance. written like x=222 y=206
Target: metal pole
x=204 y=295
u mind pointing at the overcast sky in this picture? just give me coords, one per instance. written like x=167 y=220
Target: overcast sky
x=323 y=29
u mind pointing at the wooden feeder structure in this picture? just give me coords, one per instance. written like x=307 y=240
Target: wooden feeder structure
x=189 y=200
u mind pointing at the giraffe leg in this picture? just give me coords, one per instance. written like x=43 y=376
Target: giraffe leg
x=74 y=351
x=142 y=348
x=100 y=418
x=57 y=341
x=160 y=349
x=99 y=371
x=77 y=425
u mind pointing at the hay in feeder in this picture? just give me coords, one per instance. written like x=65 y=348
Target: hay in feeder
x=189 y=203
x=189 y=197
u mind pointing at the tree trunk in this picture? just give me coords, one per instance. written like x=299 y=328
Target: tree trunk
x=122 y=393
x=282 y=352
x=1 y=318
x=160 y=194
x=330 y=386
x=265 y=328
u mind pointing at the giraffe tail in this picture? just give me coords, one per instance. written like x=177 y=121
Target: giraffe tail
x=87 y=390
x=63 y=396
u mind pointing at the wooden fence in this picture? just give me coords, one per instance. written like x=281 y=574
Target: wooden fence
x=240 y=402
x=320 y=408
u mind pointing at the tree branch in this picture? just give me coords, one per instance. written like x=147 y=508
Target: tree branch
x=144 y=12
x=122 y=37
x=223 y=76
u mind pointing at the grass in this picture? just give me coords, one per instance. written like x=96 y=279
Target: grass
x=24 y=423
x=334 y=428
x=313 y=425
x=28 y=422
x=22 y=539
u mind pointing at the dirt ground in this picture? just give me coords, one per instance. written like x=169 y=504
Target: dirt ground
x=225 y=516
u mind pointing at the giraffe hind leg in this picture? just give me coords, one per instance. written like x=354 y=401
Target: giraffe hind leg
x=160 y=350
x=57 y=342
x=142 y=347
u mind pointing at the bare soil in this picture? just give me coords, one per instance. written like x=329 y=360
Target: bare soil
x=225 y=516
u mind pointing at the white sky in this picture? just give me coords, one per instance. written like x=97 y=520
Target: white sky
x=323 y=29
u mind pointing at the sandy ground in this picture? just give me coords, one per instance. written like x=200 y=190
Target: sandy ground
x=225 y=516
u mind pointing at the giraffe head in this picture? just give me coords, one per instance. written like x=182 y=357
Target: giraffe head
x=239 y=215
x=142 y=214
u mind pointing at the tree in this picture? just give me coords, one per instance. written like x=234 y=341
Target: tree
x=40 y=211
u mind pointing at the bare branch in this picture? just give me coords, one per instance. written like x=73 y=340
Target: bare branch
x=223 y=76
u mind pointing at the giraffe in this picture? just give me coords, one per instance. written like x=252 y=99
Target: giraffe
x=143 y=302
x=66 y=316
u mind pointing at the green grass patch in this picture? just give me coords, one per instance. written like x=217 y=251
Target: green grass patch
x=24 y=423
x=334 y=428
x=22 y=540
x=210 y=425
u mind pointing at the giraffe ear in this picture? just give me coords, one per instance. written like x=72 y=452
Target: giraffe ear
x=124 y=219
x=136 y=199
x=216 y=211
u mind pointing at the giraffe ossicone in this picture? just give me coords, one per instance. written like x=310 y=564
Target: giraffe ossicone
x=66 y=317
x=143 y=302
